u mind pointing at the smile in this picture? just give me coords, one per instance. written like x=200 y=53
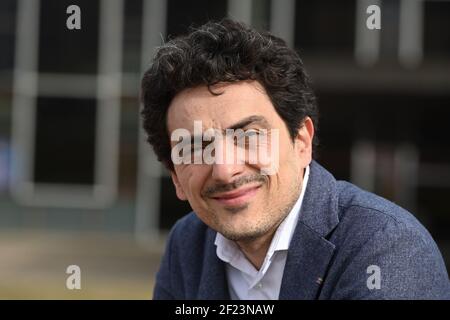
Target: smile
x=237 y=197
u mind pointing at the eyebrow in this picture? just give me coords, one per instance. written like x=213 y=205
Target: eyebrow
x=242 y=124
x=250 y=120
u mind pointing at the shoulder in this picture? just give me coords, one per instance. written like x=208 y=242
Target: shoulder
x=182 y=261
x=363 y=209
x=189 y=235
x=188 y=227
x=373 y=231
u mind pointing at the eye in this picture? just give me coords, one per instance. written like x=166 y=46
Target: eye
x=245 y=139
x=241 y=138
x=251 y=132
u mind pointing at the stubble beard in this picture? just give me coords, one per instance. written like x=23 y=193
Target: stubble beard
x=268 y=222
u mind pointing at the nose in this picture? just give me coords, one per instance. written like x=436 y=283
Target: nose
x=226 y=173
x=230 y=161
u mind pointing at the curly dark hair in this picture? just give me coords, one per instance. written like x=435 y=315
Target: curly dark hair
x=225 y=51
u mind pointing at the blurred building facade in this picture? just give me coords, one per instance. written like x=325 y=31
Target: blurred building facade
x=73 y=156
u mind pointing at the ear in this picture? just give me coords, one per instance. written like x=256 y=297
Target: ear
x=304 y=140
x=179 y=190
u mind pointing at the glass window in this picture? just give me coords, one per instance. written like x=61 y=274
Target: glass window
x=68 y=51
x=65 y=140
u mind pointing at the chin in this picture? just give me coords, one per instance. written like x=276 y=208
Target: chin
x=241 y=229
x=240 y=235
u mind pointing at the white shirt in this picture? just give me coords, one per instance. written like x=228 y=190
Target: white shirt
x=244 y=281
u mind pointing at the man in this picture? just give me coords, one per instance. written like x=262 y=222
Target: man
x=293 y=232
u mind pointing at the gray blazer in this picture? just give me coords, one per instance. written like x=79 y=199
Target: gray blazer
x=348 y=244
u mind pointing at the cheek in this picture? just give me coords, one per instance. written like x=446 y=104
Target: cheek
x=289 y=164
x=193 y=183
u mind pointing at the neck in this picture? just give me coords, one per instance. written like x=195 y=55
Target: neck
x=255 y=250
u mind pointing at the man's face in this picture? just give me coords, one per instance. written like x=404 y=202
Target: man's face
x=236 y=198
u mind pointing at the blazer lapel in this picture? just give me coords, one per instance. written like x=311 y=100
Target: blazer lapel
x=213 y=283
x=309 y=252
x=306 y=265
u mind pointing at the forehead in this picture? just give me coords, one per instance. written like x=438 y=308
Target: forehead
x=236 y=101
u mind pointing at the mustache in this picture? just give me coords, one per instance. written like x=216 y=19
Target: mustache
x=210 y=191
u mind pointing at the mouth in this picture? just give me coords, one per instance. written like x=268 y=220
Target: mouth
x=237 y=197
